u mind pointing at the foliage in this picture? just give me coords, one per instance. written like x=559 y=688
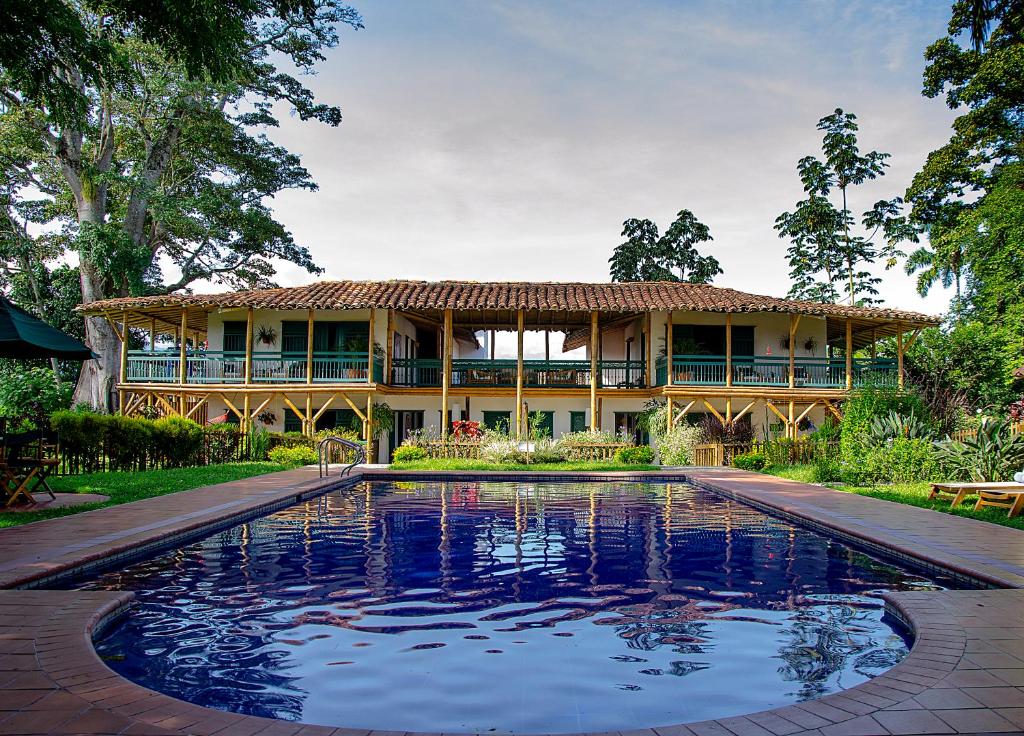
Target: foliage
x=179 y=440
x=545 y=450
x=567 y=466
x=502 y=451
x=293 y=456
x=258 y=439
x=590 y=437
x=726 y=433
x=383 y=418
x=129 y=440
x=887 y=427
x=863 y=406
x=994 y=453
x=827 y=470
x=647 y=255
x=127 y=487
x=465 y=430
x=828 y=431
x=344 y=433
x=653 y=419
x=408 y=453
x=677 y=445
x=162 y=177
x=534 y=424
x=642 y=455
x=825 y=257
x=33 y=393
x=755 y=461
x=902 y=460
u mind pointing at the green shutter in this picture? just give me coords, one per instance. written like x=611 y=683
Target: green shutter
x=577 y=421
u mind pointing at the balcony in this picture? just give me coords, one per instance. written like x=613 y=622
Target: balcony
x=711 y=370
x=426 y=373
x=216 y=367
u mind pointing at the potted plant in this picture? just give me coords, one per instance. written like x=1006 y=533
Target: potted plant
x=266 y=335
x=267 y=417
x=810 y=345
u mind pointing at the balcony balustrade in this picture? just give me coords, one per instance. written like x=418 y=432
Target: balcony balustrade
x=712 y=370
x=214 y=367
x=426 y=373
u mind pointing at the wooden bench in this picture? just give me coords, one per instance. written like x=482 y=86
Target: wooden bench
x=960 y=491
x=1012 y=501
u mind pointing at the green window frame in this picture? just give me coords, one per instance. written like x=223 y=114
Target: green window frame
x=577 y=421
x=498 y=420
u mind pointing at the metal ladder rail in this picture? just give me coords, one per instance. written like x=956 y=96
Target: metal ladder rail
x=323 y=457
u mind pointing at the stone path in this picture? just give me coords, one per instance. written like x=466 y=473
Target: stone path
x=964 y=675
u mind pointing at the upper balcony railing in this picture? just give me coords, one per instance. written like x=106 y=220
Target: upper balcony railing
x=712 y=370
x=426 y=373
x=212 y=367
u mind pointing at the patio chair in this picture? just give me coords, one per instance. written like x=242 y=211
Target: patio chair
x=30 y=459
x=1012 y=501
x=960 y=491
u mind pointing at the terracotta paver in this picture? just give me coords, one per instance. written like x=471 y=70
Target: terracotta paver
x=964 y=674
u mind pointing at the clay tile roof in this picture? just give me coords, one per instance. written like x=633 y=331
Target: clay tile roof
x=540 y=296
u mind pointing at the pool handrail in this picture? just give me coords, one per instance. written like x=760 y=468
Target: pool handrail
x=324 y=460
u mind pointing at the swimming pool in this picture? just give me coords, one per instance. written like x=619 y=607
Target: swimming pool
x=507 y=607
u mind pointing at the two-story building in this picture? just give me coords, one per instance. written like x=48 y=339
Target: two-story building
x=309 y=357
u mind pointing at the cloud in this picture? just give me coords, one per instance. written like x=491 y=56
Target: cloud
x=499 y=140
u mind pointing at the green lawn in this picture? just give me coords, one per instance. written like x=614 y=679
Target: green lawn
x=452 y=464
x=913 y=494
x=126 y=487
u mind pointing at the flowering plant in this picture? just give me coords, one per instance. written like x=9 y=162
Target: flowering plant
x=464 y=429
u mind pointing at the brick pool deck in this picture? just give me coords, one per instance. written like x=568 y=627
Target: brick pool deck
x=964 y=674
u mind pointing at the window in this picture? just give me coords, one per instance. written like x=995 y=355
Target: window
x=498 y=420
x=330 y=419
x=577 y=421
x=234 y=337
x=625 y=423
x=710 y=340
x=293 y=336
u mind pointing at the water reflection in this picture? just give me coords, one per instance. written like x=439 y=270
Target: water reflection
x=521 y=608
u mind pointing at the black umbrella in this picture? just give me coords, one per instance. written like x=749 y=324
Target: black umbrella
x=25 y=336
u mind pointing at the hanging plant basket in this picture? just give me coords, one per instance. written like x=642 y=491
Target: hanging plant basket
x=266 y=335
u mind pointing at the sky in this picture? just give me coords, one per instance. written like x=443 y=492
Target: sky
x=494 y=140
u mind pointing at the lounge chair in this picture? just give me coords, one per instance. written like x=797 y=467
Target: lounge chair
x=960 y=491
x=1012 y=501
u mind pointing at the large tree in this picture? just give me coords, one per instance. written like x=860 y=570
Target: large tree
x=829 y=255
x=647 y=255
x=969 y=196
x=164 y=179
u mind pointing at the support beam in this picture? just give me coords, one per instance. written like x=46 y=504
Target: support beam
x=324 y=408
x=874 y=344
x=728 y=409
x=124 y=357
x=492 y=344
x=234 y=409
x=547 y=344
x=792 y=415
x=152 y=335
x=195 y=408
x=775 y=410
x=371 y=344
x=685 y=410
x=246 y=418
x=389 y=349
x=298 y=412
x=668 y=352
x=594 y=337
x=899 y=355
x=794 y=323
x=183 y=359
x=353 y=407
x=744 y=410
x=805 y=412
x=728 y=355
x=248 y=347
x=519 y=374
x=671 y=419
x=309 y=346
x=648 y=351
x=849 y=354
x=910 y=341
x=371 y=455
x=713 y=410
x=446 y=371
x=171 y=411
x=832 y=408
x=310 y=425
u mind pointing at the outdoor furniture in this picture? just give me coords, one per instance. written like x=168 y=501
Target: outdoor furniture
x=960 y=491
x=29 y=459
x=1012 y=501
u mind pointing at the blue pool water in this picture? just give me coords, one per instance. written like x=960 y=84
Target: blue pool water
x=507 y=607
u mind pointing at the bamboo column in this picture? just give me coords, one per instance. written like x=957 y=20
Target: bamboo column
x=648 y=352
x=389 y=348
x=874 y=344
x=792 y=350
x=671 y=411
x=124 y=361
x=728 y=350
x=849 y=354
x=370 y=431
x=371 y=342
x=792 y=419
x=246 y=420
x=152 y=334
x=594 y=337
x=183 y=361
x=669 y=352
x=899 y=354
x=519 y=374
x=446 y=368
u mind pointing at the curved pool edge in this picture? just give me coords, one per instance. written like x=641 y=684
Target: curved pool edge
x=62 y=681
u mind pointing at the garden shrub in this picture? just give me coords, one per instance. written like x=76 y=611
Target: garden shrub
x=294 y=455
x=827 y=470
x=222 y=443
x=677 y=445
x=178 y=440
x=33 y=393
x=725 y=433
x=642 y=455
x=995 y=453
x=409 y=453
x=502 y=451
x=128 y=441
x=904 y=460
x=545 y=450
x=756 y=461
x=258 y=440
x=588 y=437
x=861 y=409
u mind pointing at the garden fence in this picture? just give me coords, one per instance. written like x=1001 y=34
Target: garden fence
x=778 y=452
x=962 y=434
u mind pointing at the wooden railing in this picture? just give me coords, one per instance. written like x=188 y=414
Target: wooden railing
x=962 y=434
x=593 y=452
x=215 y=366
x=788 y=452
x=712 y=370
x=439 y=449
x=426 y=372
